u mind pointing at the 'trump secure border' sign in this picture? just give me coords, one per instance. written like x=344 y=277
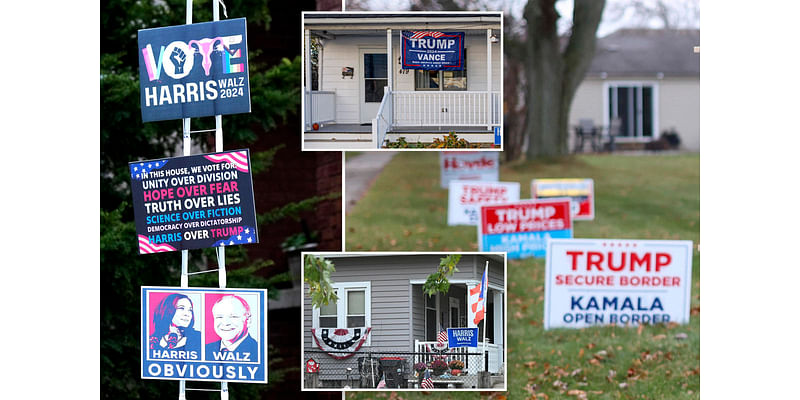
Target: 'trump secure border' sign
x=522 y=228
x=581 y=191
x=469 y=166
x=616 y=281
x=204 y=334
x=194 y=70
x=462 y=337
x=466 y=197
x=434 y=51
x=194 y=202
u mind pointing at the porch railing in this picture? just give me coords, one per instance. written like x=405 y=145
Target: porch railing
x=384 y=120
x=469 y=108
x=495 y=353
x=320 y=107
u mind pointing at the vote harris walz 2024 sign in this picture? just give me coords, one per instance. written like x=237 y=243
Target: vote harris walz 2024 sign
x=434 y=51
x=194 y=70
x=204 y=334
x=617 y=281
x=194 y=202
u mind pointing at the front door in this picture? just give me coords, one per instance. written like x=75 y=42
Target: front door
x=374 y=78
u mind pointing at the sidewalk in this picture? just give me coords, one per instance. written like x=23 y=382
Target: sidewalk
x=360 y=173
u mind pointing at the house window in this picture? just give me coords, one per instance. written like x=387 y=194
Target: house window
x=375 y=77
x=351 y=310
x=633 y=104
x=441 y=80
x=430 y=317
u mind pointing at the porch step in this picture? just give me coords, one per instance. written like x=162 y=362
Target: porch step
x=428 y=137
x=339 y=136
x=322 y=144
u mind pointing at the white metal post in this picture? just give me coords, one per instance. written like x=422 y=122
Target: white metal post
x=489 y=77
x=187 y=149
x=307 y=88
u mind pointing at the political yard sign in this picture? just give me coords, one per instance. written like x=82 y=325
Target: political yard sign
x=462 y=337
x=522 y=228
x=194 y=202
x=194 y=70
x=468 y=166
x=433 y=51
x=581 y=191
x=616 y=281
x=204 y=334
x=466 y=197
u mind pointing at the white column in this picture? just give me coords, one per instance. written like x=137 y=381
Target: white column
x=389 y=62
x=307 y=88
x=489 y=78
x=499 y=318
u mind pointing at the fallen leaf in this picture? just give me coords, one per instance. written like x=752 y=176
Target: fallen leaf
x=580 y=354
x=530 y=364
x=639 y=330
x=681 y=336
x=623 y=385
x=660 y=337
x=575 y=372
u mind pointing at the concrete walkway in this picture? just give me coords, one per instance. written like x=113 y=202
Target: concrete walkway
x=360 y=172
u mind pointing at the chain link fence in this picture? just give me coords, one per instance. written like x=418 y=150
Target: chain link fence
x=397 y=369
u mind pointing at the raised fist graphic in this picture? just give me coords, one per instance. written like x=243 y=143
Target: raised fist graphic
x=178 y=58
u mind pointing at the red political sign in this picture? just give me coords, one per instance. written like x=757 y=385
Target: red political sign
x=526 y=216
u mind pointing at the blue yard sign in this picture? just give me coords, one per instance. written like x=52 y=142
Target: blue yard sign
x=204 y=334
x=194 y=70
x=433 y=51
x=497 y=136
x=462 y=337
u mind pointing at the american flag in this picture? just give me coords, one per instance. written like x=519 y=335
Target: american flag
x=247 y=236
x=442 y=338
x=237 y=158
x=145 y=247
x=479 y=306
x=427 y=382
x=137 y=168
x=422 y=34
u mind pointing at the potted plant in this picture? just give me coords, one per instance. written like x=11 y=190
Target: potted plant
x=438 y=367
x=456 y=366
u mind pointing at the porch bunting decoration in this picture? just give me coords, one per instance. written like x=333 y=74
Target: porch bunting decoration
x=441 y=343
x=340 y=339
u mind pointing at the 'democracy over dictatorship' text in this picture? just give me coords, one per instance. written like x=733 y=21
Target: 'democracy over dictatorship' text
x=193 y=202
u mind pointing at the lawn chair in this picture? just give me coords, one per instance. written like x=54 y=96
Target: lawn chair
x=614 y=130
x=585 y=131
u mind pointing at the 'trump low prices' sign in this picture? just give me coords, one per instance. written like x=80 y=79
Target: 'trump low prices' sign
x=204 y=334
x=522 y=228
x=469 y=166
x=466 y=197
x=581 y=191
x=462 y=337
x=194 y=202
x=194 y=70
x=615 y=281
x=434 y=51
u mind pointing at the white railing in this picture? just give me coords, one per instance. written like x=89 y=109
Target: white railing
x=383 y=121
x=469 y=108
x=320 y=107
x=472 y=364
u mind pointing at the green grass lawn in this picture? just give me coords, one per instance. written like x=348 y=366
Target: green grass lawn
x=637 y=197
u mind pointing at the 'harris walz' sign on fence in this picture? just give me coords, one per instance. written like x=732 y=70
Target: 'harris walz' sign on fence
x=617 y=281
x=194 y=70
x=204 y=334
x=194 y=202
x=429 y=50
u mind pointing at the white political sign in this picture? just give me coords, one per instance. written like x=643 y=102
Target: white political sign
x=465 y=199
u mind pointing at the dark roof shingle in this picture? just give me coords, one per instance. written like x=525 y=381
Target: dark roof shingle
x=636 y=52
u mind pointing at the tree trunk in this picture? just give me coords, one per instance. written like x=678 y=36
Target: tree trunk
x=553 y=76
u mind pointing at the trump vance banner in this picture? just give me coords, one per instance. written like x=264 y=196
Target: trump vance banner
x=433 y=51
x=194 y=70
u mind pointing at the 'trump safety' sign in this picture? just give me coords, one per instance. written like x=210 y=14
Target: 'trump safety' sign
x=581 y=191
x=616 y=281
x=204 y=334
x=194 y=202
x=469 y=166
x=466 y=197
x=434 y=51
x=194 y=70
x=522 y=228
x=462 y=337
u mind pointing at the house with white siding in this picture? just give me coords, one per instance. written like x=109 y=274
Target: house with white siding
x=360 y=93
x=381 y=296
x=649 y=81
